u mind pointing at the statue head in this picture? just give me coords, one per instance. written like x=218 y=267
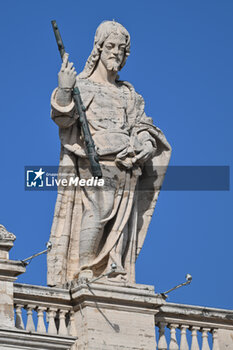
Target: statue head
x=107 y=33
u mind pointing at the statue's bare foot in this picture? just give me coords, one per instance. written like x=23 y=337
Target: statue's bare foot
x=118 y=271
x=121 y=277
x=84 y=275
x=118 y=275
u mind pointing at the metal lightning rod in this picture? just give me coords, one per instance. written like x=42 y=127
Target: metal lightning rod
x=188 y=281
x=27 y=261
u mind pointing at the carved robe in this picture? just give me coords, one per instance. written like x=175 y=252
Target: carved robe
x=125 y=205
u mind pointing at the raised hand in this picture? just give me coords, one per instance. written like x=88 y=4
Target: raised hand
x=67 y=74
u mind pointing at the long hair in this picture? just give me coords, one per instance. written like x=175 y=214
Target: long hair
x=102 y=33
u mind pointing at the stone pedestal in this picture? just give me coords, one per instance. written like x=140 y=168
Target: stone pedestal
x=225 y=339
x=112 y=317
x=9 y=269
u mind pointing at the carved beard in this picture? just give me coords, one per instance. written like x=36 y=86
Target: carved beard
x=113 y=66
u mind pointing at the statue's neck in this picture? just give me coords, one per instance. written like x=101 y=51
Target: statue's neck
x=102 y=75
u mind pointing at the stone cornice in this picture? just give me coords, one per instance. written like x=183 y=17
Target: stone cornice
x=28 y=340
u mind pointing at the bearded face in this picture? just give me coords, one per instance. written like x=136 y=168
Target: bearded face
x=113 y=51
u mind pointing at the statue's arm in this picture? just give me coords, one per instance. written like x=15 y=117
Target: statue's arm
x=143 y=128
x=148 y=146
x=63 y=108
x=144 y=124
x=144 y=135
x=63 y=114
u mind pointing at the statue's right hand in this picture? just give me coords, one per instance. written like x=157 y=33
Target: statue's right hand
x=67 y=74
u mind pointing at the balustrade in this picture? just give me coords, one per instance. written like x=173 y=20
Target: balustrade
x=50 y=311
x=43 y=310
x=197 y=336
x=60 y=321
x=189 y=327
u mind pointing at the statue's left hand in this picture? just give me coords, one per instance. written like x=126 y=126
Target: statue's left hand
x=145 y=153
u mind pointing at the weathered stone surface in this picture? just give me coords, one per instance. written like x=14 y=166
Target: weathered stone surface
x=5 y=235
x=111 y=317
x=107 y=316
x=6 y=305
x=23 y=340
x=201 y=321
x=6 y=242
x=95 y=227
x=9 y=270
x=225 y=339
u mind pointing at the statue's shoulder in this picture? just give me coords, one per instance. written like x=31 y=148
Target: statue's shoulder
x=131 y=88
x=137 y=99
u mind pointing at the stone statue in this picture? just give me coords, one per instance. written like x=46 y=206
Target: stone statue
x=94 y=227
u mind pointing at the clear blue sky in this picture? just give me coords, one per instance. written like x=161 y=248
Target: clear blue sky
x=181 y=62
